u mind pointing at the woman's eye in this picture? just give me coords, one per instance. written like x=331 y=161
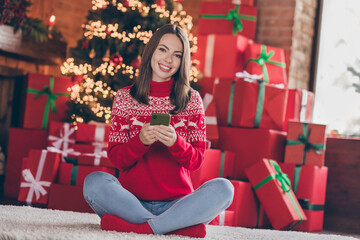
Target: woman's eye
x=162 y=49
x=178 y=56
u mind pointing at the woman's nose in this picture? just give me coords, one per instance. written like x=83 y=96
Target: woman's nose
x=168 y=58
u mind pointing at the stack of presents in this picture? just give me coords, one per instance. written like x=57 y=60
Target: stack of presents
x=48 y=159
x=261 y=133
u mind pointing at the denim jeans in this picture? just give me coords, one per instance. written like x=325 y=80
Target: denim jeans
x=105 y=195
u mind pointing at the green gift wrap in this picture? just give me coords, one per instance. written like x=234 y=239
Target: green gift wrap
x=44 y=100
x=227 y=18
x=273 y=188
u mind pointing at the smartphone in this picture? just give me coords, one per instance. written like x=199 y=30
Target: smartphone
x=160 y=119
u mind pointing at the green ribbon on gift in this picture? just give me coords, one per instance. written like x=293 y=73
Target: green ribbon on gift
x=304 y=139
x=305 y=204
x=234 y=16
x=285 y=183
x=74 y=173
x=71 y=160
x=259 y=106
x=296 y=180
x=51 y=99
x=263 y=59
x=222 y=163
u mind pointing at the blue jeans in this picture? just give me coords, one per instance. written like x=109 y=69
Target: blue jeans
x=105 y=195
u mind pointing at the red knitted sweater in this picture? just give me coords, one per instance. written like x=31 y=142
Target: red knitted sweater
x=156 y=172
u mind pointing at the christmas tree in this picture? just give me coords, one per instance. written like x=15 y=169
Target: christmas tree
x=108 y=56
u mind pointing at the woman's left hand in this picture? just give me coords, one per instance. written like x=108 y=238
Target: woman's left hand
x=166 y=135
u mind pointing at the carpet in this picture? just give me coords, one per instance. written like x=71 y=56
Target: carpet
x=24 y=222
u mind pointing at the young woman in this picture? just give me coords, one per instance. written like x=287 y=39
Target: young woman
x=154 y=193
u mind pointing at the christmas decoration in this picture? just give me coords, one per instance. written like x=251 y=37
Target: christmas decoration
x=107 y=56
x=116 y=59
x=13 y=13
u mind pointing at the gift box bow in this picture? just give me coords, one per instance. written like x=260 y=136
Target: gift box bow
x=264 y=58
x=304 y=139
x=64 y=138
x=51 y=99
x=232 y=15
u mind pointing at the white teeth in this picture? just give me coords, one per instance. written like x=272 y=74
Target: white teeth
x=167 y=68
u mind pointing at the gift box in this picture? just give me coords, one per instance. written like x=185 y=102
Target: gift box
x=220 y=55
x=38 y=172
x=247 y=103
x=19 y=144
x=92 y=150
x=61 y=138
x=268 y=61
x=68 y=198
x=92 y=132
x=71 y=174
x=299 y=106
x=94 y=160
x=216 y=163
x=309 y=186
x=250 y=145
x=273 y=189
x=212 y=131
x=246 y=206
x=44 y=100
x=305 y=144
x=227 y=18
x=225 y=218
x=242 y=2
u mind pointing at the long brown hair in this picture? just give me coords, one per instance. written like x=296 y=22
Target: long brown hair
x=180 y=93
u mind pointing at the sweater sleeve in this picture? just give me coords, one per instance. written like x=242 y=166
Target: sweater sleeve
x=190 y=152
x=123 y=151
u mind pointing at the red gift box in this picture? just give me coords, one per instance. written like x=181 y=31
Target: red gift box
x=61 y=138
x=92 y=132
x=212 y=131
x=299 y=106
x=91 y=150
x=242 y=103
x=225 y=218
x=251 y=145
x=220 y=55
x=273 y=188
x=247 y=208
x=217 y=163
x=227 y=18
x=70 y=174
x=38 y=172
x=45 y=100
x=305 y=143
x=268 y=61
x=94 y=160
x=68 y=198
x=242 y=2
x=20 y=143
x=309 y=186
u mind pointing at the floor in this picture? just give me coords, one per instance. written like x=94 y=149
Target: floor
x=10 y=201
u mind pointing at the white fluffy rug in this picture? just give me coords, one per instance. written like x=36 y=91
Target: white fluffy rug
x=20 y=222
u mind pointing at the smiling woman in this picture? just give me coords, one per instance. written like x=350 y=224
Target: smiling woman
x=166 y=59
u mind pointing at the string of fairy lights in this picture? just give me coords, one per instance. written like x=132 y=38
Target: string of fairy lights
x=85 y=91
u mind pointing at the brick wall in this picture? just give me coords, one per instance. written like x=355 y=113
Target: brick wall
x=287 y=24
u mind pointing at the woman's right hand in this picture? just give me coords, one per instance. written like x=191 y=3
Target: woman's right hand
x=147 y=135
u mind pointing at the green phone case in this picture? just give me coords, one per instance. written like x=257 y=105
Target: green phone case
x=160 y=119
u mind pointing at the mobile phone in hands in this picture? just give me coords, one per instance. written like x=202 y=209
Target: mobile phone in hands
x=160 y=119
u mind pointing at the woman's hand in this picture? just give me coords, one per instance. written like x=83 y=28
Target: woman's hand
x=165 y=134
x=147 y=134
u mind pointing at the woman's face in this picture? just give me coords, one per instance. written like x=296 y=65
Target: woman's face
x=166 y=59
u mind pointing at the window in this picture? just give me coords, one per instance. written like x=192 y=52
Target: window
x=337 y=89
